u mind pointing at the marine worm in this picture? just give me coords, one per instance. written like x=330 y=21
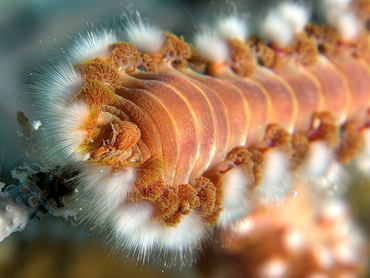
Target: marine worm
x=170 y=140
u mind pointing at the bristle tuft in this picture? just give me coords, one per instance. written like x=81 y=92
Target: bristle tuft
x=321 y=171
x=348 y=26
x=362 y=162
x=211 y=47
x=93 y=44
x=176 y=246
x=147 y=38
x=61 y=133
x=277 y=30
x=284 y=22
x=106 y=185
x=233 y=27
x=276 y=182
x=341 y=17
x=238 y=199
x=295 y=14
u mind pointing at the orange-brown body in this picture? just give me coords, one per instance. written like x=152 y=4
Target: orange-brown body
x=191 y=121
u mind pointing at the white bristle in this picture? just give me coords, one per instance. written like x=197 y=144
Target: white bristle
x=57 y=83
x=277 y=30
x=211 y=47
x=188 y=234
x=147 y=38
x=60 y=133
x=276 y=182
x=135 y=231
x=340 y=16
x=295 y=14
x=362 y=161
x=93 y=44
x=238 y=199
x=348 y=26
x=131 y=218
x=318 y=159
x=68 y=122
x=332 y=9
x=102 y=188
x=321 y=171
x=232 y=27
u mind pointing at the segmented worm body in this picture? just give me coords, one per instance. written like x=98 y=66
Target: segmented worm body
x=169 y=143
